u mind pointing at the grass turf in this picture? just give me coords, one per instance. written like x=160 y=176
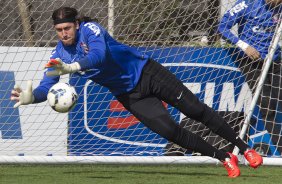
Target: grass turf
x=137 y=174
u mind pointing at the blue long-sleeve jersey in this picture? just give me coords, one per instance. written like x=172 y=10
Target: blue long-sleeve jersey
x=256 y=24
x=102 y=59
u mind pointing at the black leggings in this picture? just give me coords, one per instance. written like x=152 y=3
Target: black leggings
x=157 y=84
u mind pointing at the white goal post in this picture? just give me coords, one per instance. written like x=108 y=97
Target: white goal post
x=179 y=34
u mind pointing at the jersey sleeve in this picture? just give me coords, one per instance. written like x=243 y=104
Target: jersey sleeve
x=96 y=45
x=41 y=91
x=230 y=18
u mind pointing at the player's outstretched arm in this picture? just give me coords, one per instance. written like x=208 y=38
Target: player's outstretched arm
x=22 y=97
x=61 y=68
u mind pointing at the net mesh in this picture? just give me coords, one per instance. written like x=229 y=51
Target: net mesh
x=179 y=34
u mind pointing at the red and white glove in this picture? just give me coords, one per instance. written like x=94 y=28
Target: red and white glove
x=61 y=68
x=22 y=97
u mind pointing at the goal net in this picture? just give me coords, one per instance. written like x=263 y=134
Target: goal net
x=182 y=35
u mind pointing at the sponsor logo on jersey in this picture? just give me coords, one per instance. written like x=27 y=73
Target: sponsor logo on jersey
x=237 y=8
x=84 y=47
x=261 y=29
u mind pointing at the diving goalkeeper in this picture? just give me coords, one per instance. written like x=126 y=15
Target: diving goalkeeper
x=86 y=49
x=257 y=20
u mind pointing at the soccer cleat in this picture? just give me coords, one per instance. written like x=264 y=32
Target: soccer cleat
x=231 y=165
x=254 y=159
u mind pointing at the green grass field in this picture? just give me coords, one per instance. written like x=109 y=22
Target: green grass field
x=134 y=174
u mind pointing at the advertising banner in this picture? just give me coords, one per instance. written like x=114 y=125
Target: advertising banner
x=104 y=127
x=33 y=129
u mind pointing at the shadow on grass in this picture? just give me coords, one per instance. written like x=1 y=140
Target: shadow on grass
x=166 y=173
x=100 y=177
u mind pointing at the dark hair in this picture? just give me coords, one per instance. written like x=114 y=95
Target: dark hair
x=68 y=14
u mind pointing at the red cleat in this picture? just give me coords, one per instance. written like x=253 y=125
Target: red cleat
x=254 y=159
x=231 y=165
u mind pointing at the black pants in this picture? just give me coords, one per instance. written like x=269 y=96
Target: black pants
x=157 y=84
x=271 y=94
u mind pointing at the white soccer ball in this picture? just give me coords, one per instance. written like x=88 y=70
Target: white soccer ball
x=62 y=97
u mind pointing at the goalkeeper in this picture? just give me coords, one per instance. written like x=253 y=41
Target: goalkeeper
x=86 y=49
x=257 y=20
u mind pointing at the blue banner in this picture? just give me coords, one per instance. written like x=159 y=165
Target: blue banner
x=10 y=126
x=99 y=125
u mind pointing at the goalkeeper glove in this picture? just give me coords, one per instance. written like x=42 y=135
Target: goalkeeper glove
x=61 y=68
x=23 y=97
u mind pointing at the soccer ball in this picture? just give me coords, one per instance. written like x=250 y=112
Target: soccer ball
x=62 y=97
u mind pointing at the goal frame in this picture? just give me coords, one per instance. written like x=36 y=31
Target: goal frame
x=29 y=42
